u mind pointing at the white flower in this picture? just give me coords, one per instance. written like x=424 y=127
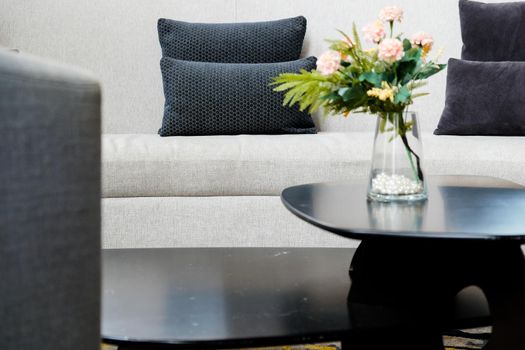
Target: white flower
x=391 y=50
x=391 y=14
x=374 y=32
x=422 y=39
x=329 y=63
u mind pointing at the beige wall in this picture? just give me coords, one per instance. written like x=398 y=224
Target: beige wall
x=117 y=40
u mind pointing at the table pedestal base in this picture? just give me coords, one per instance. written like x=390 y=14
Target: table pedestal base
x=420 y=281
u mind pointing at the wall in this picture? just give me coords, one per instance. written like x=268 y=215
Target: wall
x=117 y=40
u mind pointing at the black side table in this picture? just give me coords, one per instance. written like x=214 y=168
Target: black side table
x=415 y=257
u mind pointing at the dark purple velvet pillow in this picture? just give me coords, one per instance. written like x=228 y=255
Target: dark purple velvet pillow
x=484 y=98
x=492 y=32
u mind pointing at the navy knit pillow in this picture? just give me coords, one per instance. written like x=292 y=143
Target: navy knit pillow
x=484 y=98
x=492 y=32
x=257 y=42
x=205 y=98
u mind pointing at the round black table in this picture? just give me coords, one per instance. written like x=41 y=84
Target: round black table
x=415 y=257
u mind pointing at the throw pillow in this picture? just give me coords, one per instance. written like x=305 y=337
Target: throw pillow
x=484 y=98
x=492 y=32
x=257 y=42
x=204 y=98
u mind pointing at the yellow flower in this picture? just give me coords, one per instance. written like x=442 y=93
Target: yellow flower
x=386 y=92
x=426 y=50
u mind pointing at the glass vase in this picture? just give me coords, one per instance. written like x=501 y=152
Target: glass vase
x=397 y=160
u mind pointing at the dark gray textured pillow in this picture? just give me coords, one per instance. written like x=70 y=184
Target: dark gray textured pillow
x=257 y=42
x=492 y=32
x=484 y=98
x=205 y=98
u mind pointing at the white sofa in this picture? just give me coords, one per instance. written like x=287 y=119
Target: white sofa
x=224 y=190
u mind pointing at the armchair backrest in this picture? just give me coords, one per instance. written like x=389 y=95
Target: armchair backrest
x=49 y=206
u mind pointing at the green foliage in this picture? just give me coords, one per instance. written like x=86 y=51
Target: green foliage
x=304 y=88
x=406 y=45
x=357 y=40
x=372 y=77
x=363 y=82
x=403 y=96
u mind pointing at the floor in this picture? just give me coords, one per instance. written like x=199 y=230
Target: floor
x=458 y=341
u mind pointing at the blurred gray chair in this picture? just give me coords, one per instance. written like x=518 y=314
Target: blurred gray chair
x=49 y=206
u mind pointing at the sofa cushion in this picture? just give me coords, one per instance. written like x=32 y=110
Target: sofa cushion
x=484 y=98
x=146 y=165
x=256 y=42
x=204 y=98
x=492 y=32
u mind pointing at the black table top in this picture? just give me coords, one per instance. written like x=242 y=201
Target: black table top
x=238 y=297
x=463 y=207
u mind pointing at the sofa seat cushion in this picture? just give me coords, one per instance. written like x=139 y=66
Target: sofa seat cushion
x=497 y=156
x=150 y=165
x=147 y=165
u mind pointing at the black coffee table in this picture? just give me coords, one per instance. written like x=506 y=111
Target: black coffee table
x=200 y=298
x=415 y=257
x=401 y=294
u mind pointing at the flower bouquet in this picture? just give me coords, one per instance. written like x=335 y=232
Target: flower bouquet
x=381 y=80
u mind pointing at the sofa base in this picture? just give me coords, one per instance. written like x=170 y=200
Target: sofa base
x=242 y=221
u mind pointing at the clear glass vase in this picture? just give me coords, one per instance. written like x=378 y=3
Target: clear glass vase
x=397 y=160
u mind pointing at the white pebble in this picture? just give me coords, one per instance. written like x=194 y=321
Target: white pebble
x=395 y=184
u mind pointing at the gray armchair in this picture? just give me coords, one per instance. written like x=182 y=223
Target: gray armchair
x=49 y=206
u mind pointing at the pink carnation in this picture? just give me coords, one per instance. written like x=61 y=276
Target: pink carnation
x=374 y=32
x=391 y=50
x=391 y=14
x=422 y=39
x=329 y=62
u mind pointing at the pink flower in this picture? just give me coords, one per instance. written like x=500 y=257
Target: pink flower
x=374 y=32
x=391 y=50
x=329 y=62
x=391 y=14
x=422 y=39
